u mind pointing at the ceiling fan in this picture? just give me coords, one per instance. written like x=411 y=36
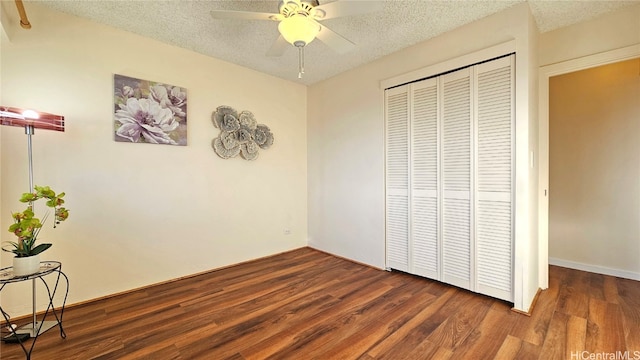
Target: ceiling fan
x=299 y=24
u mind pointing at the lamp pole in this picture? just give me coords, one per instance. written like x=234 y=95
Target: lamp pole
x=29 y=131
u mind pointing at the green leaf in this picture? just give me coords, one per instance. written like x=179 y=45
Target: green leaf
x=22 y=253
x=28 y=243
x=40 y=248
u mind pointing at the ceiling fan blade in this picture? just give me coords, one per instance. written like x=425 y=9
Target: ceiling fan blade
x=244 y=15
x=278 y=47
x=342 y=8
x=334 y=40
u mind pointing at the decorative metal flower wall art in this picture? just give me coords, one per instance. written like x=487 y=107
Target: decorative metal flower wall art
x=149 y=112
x=239 y=134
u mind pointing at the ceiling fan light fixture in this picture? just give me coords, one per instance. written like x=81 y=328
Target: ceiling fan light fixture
x=298 y=29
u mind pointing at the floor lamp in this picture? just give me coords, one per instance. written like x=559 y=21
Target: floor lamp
x=31 y=120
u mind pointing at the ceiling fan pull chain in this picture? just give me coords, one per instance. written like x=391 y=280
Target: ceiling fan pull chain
x=300 y=61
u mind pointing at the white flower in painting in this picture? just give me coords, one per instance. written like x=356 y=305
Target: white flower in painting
x=127 y=91
x=146 y=118
x=175 y=99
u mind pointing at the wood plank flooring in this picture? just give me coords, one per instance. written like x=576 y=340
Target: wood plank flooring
x=305 y=304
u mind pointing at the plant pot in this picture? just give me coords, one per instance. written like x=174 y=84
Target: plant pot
x=23 y=266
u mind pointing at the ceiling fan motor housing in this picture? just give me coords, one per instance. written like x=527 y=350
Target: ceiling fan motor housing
x=292 y=7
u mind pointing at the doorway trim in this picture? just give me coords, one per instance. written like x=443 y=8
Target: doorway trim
x=546 y=72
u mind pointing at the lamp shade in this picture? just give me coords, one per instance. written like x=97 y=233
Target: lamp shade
x=11 y=116
x=298 y=29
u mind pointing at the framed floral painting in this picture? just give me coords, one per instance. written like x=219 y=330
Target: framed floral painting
x=149 y=112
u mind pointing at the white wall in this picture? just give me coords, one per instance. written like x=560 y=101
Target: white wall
x=594 y=142
x=346 y=145
x=142 y=213
x=612 y=31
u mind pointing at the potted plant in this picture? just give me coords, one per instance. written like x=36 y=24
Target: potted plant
x=27 y=227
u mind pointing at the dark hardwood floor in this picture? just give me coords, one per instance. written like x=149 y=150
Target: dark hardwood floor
x=305 y=304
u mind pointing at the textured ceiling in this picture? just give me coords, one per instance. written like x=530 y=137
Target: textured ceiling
x=399 y=24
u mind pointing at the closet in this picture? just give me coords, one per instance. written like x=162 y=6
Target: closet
x=449 y=177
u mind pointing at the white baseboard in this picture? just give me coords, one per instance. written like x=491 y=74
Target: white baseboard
x=595 y=269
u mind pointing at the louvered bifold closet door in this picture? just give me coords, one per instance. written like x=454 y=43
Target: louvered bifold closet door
x=397 y=177
x=424 y=249
x=456 y=178
x=494 y=185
